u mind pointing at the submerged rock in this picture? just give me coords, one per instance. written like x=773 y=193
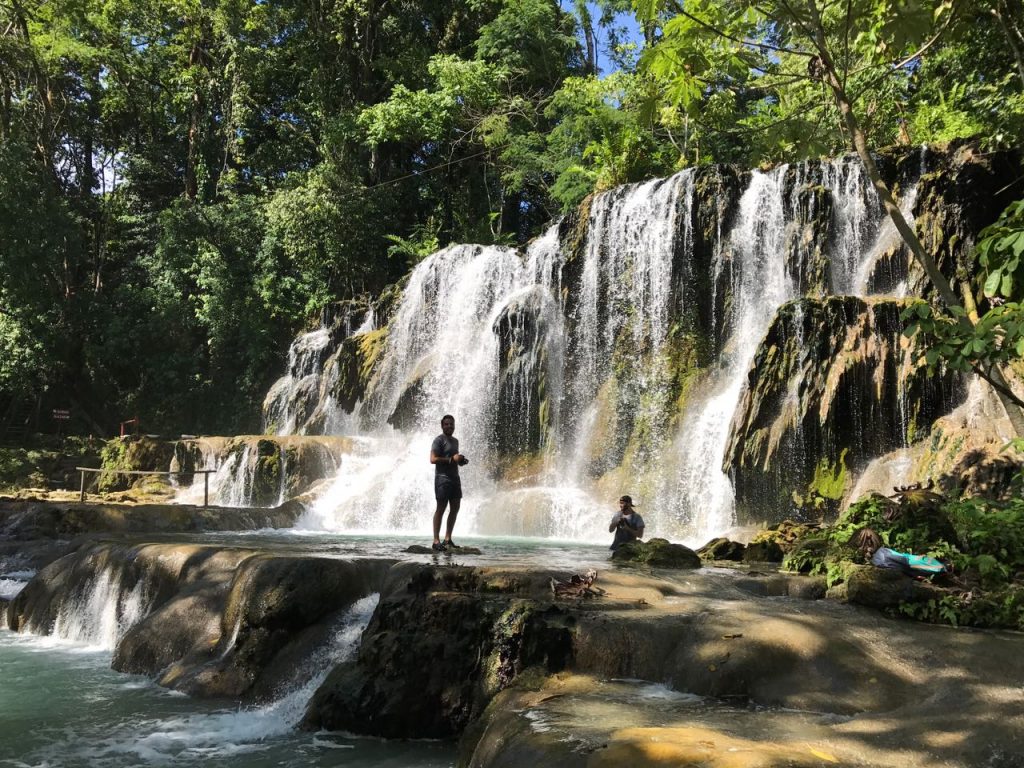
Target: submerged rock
x=657 y=553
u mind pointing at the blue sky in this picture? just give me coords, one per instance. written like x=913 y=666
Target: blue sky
x=624 y=20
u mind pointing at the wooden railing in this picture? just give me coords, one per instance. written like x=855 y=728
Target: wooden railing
x=204 y=472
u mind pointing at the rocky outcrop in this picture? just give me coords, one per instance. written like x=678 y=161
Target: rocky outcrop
x=134 y=453
x=965 y=452
x=441 y=644
x=525 y=328
x=657 y=553
x=203 y=620
x=258 y=470
x=490 y=655
x=833 y=384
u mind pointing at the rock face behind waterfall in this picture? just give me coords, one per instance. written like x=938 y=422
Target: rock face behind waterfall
x=834 y=384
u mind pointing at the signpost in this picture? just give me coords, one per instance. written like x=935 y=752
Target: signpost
x=60 y=415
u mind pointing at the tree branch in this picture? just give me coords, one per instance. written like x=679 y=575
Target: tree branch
x=725 y=35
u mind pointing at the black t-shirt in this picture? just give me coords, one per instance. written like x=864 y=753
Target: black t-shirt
x=446 y=447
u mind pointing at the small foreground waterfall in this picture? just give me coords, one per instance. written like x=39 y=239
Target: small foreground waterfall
x=624 y=351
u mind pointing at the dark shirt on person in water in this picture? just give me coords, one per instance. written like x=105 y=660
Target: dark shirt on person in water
x=445 y=447
x=625 y=535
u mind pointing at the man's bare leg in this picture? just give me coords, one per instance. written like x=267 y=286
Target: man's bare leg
x=453 y=512
x=437 y=521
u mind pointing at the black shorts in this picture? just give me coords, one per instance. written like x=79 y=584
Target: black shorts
x=446 y=489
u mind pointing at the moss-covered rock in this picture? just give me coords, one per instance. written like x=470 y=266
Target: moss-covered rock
x=135 y=453
x=722 y=549
x=657 y=553
x=833 y=384
x=884 y=588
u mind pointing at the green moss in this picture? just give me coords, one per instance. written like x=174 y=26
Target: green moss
x=829 y=481
x=113 y=460
x=371 y=347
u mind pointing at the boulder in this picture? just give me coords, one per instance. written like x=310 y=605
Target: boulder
x=442 y=642
x=763 y=552
x=657 y=553
x=883 y=588
x=722 y=549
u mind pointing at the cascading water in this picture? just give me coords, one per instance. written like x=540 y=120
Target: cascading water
x=302 y=382
x=65 y=707
x=700 y=496
x=626 y=287
x=100 y=610
x=251 y=726
x=560 y=356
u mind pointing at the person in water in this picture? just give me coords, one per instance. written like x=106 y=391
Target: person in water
x=445 y=456
x=627 y=524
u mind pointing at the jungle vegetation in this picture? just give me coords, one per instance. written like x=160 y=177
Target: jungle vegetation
x=185 y=184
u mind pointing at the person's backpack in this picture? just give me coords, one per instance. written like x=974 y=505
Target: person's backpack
x=912 y=565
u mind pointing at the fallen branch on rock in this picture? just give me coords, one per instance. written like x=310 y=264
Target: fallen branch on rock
x=577 y=586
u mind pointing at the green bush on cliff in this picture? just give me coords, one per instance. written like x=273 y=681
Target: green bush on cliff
x=982 y=540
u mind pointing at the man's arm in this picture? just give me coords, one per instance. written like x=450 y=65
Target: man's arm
x=436 y=459
x=636 y=527
x=615 y=522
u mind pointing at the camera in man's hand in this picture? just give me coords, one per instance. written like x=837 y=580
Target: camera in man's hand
x=463 y=461
x=622 y=523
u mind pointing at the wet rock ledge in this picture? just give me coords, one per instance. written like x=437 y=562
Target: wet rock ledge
x=489 y=656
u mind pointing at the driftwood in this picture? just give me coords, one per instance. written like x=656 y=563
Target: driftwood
x=577 y=586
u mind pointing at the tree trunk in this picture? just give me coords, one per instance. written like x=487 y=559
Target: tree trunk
x=942 y=285
x=1004 y=15
x=194 y=116
x=589 y=38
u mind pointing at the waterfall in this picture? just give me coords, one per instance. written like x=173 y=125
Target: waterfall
x=626 y=287
x=302 y=382
x=699 y=496
x=99 y=610
x=441 y=357
x=561 y=362
x=230 y=729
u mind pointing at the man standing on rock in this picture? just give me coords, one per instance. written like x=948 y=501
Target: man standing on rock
x=445 y=456
x=627 y=524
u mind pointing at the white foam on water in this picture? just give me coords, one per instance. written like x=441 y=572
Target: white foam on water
x=11 y=588
x=231 y=732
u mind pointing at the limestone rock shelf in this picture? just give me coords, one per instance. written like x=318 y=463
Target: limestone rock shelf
x=487 y=655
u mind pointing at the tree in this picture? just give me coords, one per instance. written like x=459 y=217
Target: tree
x=836 y=42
